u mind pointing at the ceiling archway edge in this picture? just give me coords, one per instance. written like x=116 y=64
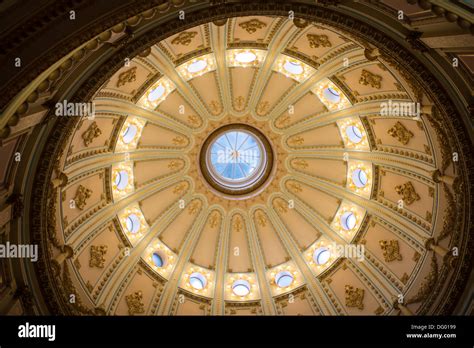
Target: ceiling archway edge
x=62 y=128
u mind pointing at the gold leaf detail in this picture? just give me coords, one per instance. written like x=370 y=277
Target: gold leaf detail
x=262 y=108
x=368 y=78
x=180 y=188
x=391 y=250
x=134 y=303
x=179 y=141
x=354 y=297
x=82 y=194
x=297 y=140
x=184 y=38
x=97 y=253
x=91 y=133
x=193 y=208
x=239 y=103
x=400 y=132
x=318 y=40
x=127 y=76
x=260 y=218
x=300 y=164
x=408 y=193
x=214 y=219
x=252 y=25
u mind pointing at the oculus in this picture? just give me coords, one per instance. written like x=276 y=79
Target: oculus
x=284 y=279
x=132 y=223
x=241 y=288
x=197 y=281
x=236 y=159
x=197 y=66
x=359 y=178
x=321 y=255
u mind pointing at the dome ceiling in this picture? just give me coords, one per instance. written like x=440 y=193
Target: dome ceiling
x=157 y=223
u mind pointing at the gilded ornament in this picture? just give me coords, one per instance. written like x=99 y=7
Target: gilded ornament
x=184 y=38
x=300 y=164
x=368 y=78
x=297 y=140
x=239 y=103
x=408 y=193
x=354 y=297
x=179 y=141
x=134 y=303
x=262 y=108
x=97 y=253
x=260 y=218
x=400 y=132
x=391 y=250
x=91 y=133
x=252 y=25
x=127 y=76
x=194 y=207
x=215 y=107
x=318 y=40
x=82 y=194
x=214 y=219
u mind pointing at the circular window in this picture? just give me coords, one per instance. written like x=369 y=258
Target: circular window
x=245 y=57
x=348 y=220
x=293 y=67
x=359 y=178
x=157 y=93
x=236 y=159
x=197 y=66
x=241 y=288
x=157 y=260
x=129 y=134
x=284 y=279
x=332 y=95
x=121 y=179
x=321 y=255
x=132 y=223
x=197 y=281
x=354 y=134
